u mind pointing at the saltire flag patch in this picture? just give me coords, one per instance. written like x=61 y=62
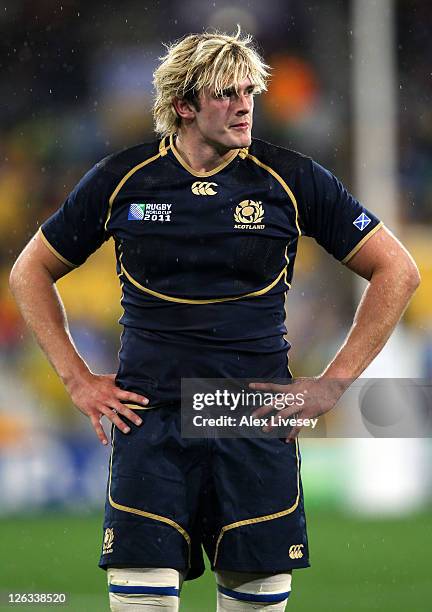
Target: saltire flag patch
x=361 y=222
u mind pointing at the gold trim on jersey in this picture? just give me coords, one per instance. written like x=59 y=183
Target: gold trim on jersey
x=170 y=298
x=143 y=513
x=286 y=268
x=163 y=149
x=359 y=245
x=186 y=166
x=261 y=519
x=284 y=185
x=123 y=181
x=53 y=250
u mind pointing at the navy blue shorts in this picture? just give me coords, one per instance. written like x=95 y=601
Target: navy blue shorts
x=167 y=497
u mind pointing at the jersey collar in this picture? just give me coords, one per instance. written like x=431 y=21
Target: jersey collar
x=186 y=166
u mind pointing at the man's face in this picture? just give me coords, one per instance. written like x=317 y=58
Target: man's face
x=225 y=122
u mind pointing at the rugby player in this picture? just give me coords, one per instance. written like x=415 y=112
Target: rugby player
x=205 y=223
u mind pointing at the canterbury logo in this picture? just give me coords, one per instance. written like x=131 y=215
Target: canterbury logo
x=295 y=551
x=108 y=541
x=249 y=211
x=199 y=188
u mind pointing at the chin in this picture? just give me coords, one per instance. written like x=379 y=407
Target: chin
x=233 y=141
x=238 y=141
x=246 y=140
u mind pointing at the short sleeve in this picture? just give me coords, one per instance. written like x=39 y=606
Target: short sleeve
x=77 y=228
x=330 y=214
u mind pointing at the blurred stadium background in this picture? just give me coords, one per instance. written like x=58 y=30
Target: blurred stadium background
x=352 y=88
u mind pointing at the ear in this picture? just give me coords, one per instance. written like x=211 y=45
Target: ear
x=184 y=109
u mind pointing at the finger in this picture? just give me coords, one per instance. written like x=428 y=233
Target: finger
x=129 y=396
x=285 y=412
x=293 y=434
x=112 y=415
x=267 y=428
x=280 y=420
x=263 y=410
x=276 y=422
x=125 y=411
x=97 y=426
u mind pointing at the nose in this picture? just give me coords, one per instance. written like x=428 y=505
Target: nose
x=244 y=103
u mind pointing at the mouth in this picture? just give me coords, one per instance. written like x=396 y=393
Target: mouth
x=240 y=126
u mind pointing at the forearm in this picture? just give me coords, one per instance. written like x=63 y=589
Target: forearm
x=42 y=309
x=382 y=305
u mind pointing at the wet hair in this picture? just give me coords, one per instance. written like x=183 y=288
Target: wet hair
x=213 y=60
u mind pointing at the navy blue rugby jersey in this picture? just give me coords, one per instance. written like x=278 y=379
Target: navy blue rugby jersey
x=205 y=259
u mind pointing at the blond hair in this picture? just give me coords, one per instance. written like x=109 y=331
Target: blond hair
x=214 y=61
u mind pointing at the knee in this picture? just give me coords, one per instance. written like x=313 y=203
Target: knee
x=240 y=592
x=139 y=589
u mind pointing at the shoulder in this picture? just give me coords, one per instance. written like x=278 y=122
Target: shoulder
x=120 y=163
x=109 y=171
x=279 y=159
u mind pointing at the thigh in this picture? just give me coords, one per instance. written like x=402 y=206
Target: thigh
x=258 y=520
x=152 y=495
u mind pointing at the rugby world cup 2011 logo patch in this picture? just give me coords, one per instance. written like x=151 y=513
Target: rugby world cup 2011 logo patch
x=136 y=212
x=149 y=211
x=248 y=215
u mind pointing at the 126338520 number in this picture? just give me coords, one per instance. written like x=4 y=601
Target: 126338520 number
x=35 y=598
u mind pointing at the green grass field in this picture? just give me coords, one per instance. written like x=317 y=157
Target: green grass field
x=357 y=565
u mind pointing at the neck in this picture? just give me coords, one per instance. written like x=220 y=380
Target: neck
x=200 y=155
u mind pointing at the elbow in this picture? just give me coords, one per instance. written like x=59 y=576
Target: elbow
x=17 y=274
x=412 y=278
x=416 y=280
x=14 y=277
x=402 y=273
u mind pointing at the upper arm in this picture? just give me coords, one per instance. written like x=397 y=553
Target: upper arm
x=77 y=228
x=382 y=251
x=330 y=214
x=37 y=255
x=347 y=230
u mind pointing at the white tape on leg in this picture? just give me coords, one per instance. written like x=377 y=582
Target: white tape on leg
x=139 y=589
x=241 y=592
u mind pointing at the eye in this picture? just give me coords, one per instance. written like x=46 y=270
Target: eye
x=225 y=93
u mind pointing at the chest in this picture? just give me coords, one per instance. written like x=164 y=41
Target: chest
x=187 y=207
x=230 y=231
